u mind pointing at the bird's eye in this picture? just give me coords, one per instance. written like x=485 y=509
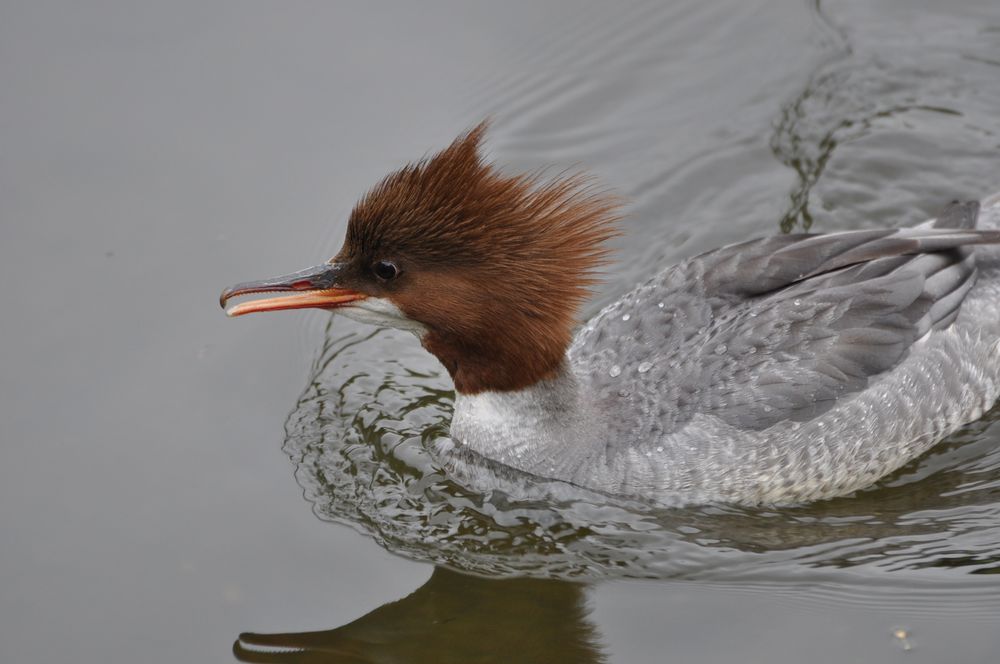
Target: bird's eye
x=386 y=270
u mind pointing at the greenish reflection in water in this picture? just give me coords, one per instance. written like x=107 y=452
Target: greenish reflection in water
x=451 y=618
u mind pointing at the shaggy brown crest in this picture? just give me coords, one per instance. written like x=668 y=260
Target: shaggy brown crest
x=498 y=265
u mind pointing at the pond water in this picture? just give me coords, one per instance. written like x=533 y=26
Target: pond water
x=177 y=486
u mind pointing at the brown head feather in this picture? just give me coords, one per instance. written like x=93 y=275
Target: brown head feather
x=496 y=266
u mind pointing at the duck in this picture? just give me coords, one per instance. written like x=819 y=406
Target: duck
x=774 y=371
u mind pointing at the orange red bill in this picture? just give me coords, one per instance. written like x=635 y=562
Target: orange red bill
x=321 y=299
x=316 y=287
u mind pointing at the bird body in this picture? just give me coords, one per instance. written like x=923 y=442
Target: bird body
x=711 y=384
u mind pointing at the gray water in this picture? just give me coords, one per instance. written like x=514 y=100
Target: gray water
x=178 y=487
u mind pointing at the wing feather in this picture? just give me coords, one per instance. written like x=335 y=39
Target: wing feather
x=781 y=328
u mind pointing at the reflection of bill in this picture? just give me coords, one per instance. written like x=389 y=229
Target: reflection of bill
x=451 y=618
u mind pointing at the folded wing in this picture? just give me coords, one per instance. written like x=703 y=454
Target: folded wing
x=781 y=328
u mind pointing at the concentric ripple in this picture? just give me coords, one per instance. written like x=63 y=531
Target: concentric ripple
x=362 y=437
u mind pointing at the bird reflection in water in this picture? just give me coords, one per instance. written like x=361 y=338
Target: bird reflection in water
x=451 y=618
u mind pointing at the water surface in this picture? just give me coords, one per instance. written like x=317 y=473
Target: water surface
x=172 y=482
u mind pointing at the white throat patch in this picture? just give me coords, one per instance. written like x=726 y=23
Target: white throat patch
x=381 y=312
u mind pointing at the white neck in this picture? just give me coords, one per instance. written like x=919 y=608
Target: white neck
x=541 y=429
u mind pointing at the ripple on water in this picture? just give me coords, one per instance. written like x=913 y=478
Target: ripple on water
x=893 y=126
x=362 y=438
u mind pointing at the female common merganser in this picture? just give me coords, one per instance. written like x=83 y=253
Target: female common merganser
x=774 y=371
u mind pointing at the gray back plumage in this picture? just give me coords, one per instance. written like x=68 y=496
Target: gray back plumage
x=779 y=328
